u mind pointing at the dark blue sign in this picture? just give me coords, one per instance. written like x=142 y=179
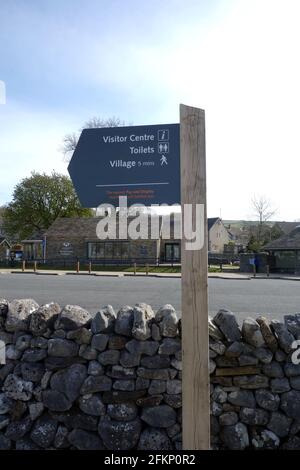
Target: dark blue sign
x=140 y=162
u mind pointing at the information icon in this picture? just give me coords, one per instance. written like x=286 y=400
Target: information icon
x=163 y=135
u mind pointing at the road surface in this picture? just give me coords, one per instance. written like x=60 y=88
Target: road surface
x=272 y=297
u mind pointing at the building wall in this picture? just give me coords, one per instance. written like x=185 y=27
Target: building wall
x=217 y=237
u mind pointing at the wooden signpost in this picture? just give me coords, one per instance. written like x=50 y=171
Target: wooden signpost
x=195 y=386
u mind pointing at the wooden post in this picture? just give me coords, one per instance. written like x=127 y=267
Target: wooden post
x=134 y=268
x=78 y=267
x=268 y=270
x=23 y=265
x=195 y=389
x=254 y=269
x=34 y=266
x=147 y=269
x=90 y=267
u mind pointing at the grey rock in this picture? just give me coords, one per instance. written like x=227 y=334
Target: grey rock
x=32 y=371
x=228 y=419
x=84 y=440
x=280 y=356
x=267 y=333
x=73 y=317
x=235 y=437
x=109 y=357
x=43 y=432
x=279 y=424
x=273 y=370
x=81 y=335
x=118 y=435
x=75 y=419
x=18 y=410
x=5 y=443
x=176 y=364
x=219 y=395
x=280 y=385
x=247 y=360
x=212 y=366
x=264 y=439
x=4 y=421
x=143 y=316
x=156 y=362
x=242 y=398
x=157 y=387
x=62 y=348
x=34 y=355
x=142 y=347
x=45 y=380
x=18 y=314
x=174 y=387
x=264 y=355
x=214 y=426
x=155 y=332
x=169 y=346
x=104 y=320
x=295 y=382
x=216 y=408
x=172 y=431
x=124 y=321
x=69 y=381
x=17 y=429
x=99 y=341
x=17 y=388
x=92 y=405
x=5 y=370
x=214 y=331
x=120 y=372
x=23 y=342
x=293 y=443
x=252 y=334
x=285 y=338
x=174 y=401
x=290 y=404
x=154 y=439
x=56 y=401
x=35 y=410
x=156 y=374
x=39 y=342
x=127 y=385
x=59 y=334
x=87 y=352
x=142 y=384
x=95 y=368
x=254 y=416
x=3 y=310
x=61 y=438
x=122 y=411
x=129 y=360
x=161 y=416
x=227 y=323
x=167 y=321
x=117 y=342
x=292 y=322
x=5 y=404
x=251 y=381
x=292 y=370
x=267 y=400
x=43 y=318
x=57 y=363
x=98 y=383
x=234 y=350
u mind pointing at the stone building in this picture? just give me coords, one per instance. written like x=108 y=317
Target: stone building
x=286 y=251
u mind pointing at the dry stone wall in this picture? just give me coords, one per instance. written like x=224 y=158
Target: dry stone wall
x=73 y=380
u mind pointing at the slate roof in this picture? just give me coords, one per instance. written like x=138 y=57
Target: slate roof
x=290 y=241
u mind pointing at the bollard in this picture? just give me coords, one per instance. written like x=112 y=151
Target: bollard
x=23 y=265
x=134 y=268
x=90 y=267
x=78 y=267
x=268 y=270
x=254 y=270
x=34 y=266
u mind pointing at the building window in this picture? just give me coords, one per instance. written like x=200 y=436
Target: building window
x=108 y=250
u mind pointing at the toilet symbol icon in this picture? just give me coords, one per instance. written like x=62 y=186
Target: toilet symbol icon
x=163 y=147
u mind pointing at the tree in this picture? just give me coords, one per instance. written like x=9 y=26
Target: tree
x=263 y=211
x=70 y=140
x=37 y=201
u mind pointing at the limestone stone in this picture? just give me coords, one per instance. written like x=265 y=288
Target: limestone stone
x=104 y=320
x=43 y=432
x=153 y=439
x=92 y=405
x=161 y=416
x=119 y=435
x=62 y=348
x=124 y=321
x=167 y=320
x=43 y=318
x=18 y=314
x=235 y=437
x=17 y=388
x=73 y=317
x=143 y=316
x=84 y=440
x=227 y=323
x=267 y=400
x=279 y=424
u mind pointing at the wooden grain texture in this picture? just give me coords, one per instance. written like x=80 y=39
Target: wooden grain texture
x=196 y=418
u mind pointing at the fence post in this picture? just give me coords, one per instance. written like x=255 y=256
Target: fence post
x=134 y=268
x=254 y=270
x=195 y=385
x=78 y=267
x=23 y=265
x=34 y=266
x=268 y=270
x=147 y=269
x=90 y=267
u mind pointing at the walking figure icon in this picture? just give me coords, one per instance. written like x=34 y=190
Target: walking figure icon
x=163 y=160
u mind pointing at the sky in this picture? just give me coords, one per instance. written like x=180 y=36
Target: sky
x=65 y=61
